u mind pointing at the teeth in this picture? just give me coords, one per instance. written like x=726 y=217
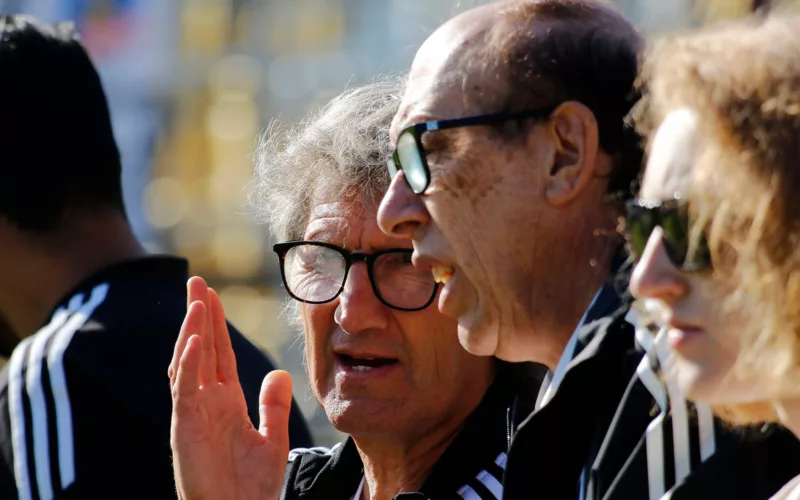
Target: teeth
x=442 y=274
x=361 y=368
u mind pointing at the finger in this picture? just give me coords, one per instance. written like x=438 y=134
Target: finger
x=198 y=291
x=193 y=324
x=187 y=381
x=276 y=403
x=226 y=359
x=193 y=288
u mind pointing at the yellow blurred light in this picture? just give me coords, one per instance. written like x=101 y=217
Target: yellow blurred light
x=713 y=10
x=257 y=316
x=205 y=25
x=228 y=186
x=232 y=117
x=236 y=73
x=165 y=202
x=311 y=25
x=238 y=250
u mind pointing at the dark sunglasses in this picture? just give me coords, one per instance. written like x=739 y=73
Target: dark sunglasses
x=672 y=217
x=410 y=157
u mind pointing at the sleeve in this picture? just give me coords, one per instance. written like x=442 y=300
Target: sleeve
x=8 y=485
x=76 y=434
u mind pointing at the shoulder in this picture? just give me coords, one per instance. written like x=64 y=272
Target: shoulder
x=322 y=472
x=314 y=453
x=791 y=491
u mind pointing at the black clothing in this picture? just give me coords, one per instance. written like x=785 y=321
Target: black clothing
x=85 y=404
x=471 y=467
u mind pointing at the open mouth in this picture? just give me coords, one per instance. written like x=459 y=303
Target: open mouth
x=365 y=364
x=442 y=274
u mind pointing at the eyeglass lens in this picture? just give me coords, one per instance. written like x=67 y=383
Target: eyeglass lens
x=317 y=274
x=411 y=162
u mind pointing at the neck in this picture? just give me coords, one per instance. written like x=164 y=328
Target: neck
x=790 y=418
x=552 y=322
x=391 y=467
x=43 y=269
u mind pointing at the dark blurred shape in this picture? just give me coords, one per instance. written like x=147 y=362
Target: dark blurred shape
x=85 y=403
x=58 y=145
x=761 y=5
x=8 y=339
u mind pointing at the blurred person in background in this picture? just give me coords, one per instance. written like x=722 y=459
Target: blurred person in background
x=423 y=415
x=84 y=406
x=716 y=230
x=513 y=160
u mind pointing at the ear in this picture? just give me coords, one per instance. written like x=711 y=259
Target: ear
x=573 y=130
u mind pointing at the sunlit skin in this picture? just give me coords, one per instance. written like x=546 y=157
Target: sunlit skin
x=405 y=413
x=704 y=340
x=519 y=234
x=401 y=416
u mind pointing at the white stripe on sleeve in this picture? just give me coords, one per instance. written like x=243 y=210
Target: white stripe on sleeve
x=17 y=413
x=58 y=383
x=491 y=483
x=467 y=493
x=35 y=388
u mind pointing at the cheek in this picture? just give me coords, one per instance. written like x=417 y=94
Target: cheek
x=471 y=175
x=723 y=325
x=429 y=339
x=318 y=324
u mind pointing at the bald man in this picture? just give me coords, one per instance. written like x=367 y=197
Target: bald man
x=513 y=163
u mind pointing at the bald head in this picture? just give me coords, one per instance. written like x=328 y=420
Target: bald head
x=523 y=54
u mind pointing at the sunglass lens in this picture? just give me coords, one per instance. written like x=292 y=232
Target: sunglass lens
x=411 y=162
x=640 y=224
x=675 y=227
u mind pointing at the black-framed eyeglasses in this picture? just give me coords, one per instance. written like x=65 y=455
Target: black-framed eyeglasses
x=316 y=272
x=410 y=157
x=673 y=218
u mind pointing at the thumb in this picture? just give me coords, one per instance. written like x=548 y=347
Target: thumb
x=273 y=411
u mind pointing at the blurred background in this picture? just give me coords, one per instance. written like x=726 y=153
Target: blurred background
x=192 y=83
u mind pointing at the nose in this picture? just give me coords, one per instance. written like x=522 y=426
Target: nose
x=402 y=212
x=359 y=309
x=655 y=276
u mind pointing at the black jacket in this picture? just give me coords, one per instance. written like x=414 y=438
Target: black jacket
x=594 y=433
x=471 y=467
x=85 y=404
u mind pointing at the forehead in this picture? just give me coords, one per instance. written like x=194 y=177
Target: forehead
x=669 y=166
x=351 y=225
x=447 y=80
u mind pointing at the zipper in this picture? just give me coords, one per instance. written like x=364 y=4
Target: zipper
x=509 y=433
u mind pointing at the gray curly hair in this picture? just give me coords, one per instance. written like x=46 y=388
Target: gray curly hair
x=339 y=152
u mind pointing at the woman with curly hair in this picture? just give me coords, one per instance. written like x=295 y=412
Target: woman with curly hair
x=716 y=227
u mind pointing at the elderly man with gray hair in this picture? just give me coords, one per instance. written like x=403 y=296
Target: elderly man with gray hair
x=424 y=417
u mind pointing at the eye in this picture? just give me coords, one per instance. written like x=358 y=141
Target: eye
x=433 y=141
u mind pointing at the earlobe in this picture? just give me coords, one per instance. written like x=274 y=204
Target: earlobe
x=573 y=130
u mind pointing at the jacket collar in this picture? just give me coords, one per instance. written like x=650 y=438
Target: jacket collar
x=479 y=444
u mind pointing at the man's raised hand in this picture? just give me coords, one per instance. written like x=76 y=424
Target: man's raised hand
x=217 y=452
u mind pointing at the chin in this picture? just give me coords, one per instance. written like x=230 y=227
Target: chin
x=699 y=383
x=360 y=416
x=478 y=341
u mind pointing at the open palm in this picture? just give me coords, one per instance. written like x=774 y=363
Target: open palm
x=217 y=452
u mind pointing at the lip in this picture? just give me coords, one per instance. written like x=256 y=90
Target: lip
x=347 y=375
x=425 y=262
x=680 y=335
x=361 y=353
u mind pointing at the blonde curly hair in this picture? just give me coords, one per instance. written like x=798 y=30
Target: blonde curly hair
x=743 y=80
